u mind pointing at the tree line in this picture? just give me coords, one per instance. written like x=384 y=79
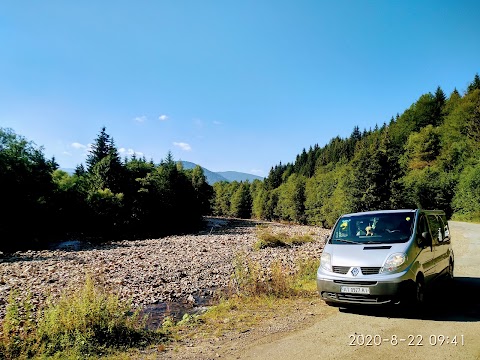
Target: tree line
x=110 y=198
x=428 y=157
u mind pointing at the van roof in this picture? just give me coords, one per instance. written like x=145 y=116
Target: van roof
x=436 y=212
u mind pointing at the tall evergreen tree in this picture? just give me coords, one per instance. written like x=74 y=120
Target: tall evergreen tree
x=440 y=100
x=474 y=85
x=100 y=149
x=80 y=170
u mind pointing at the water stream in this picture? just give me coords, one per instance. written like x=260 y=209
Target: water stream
x=156 y=313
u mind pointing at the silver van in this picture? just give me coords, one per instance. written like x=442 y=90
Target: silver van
x=387 y=256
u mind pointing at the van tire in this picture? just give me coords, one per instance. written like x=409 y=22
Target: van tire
x=419 y=293
x=450 y=271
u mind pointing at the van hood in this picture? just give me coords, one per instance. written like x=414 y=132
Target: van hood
x=368 y=255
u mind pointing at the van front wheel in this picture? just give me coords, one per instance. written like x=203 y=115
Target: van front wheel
x=450 y=271
x=419 y=292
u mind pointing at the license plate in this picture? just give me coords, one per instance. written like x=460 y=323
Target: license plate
x=355 y=290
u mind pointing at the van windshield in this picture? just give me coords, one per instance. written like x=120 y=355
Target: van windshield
x=377 y=228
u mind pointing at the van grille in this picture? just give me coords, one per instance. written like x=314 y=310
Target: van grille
x=367 y=299
x=341 y=269
x=365 y=270
x=370 y=270
x=355 y=282
x=358 y=299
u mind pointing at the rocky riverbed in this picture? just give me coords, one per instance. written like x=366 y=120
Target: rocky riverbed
x=171 y=269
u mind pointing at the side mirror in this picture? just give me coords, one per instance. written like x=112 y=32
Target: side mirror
x=425 y=239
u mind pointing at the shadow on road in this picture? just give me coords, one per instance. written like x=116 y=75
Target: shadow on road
x=459 y=301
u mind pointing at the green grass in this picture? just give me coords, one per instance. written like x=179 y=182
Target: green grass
x=254 y=295
x=249 y=279
x=266 y=238
x=470 y=217
x=86 y=323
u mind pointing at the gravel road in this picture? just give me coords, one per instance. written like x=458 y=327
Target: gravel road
x=454 y=314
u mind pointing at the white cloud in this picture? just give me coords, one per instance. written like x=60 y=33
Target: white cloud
x=163 y=117
x=140 y=119
x=217 y=122
x=183 y=146
x=129 y=152
x=66 y=153
x=77 y=145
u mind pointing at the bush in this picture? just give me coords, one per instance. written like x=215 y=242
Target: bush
x=266 y=238
x=249 y=279
x=87 y=322
x=17 y=328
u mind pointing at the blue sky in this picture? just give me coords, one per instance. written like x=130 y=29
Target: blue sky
x=230 y=85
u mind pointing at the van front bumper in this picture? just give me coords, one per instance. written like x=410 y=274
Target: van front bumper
x=382 y=289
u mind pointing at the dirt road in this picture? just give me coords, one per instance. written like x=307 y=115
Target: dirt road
x=455 y=315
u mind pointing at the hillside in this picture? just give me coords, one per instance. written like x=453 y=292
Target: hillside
x=426 y=157
x=229 y=176
x=239 y=176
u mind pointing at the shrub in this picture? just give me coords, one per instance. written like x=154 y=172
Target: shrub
x=266 y=238
x=18 y=327
x=249 y=279
x=87 y=322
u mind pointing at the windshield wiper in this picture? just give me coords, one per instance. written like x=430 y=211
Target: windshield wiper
x=347 y=241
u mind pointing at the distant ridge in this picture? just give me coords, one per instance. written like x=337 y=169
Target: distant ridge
x=212 y=177
x=229 y=176
x=238 y=176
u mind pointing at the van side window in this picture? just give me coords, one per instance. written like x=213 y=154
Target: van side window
x=446 y=230
x=436 y=228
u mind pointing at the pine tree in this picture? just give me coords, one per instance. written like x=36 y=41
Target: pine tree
x=104 y=165
x=475 y=84
x=100 y=149
x=80 y=170
x=440 y=100
x=356 y=134
x=440 y=96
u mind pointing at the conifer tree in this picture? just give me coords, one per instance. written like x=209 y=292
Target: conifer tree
x=80 y=170
x=440 y=100
x=100 y=149
x=475 y=84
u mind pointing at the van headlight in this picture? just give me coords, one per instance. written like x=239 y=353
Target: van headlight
x=326 y=261
x=393 y=262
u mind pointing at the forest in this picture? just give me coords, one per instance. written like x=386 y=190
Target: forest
x=428 y=157
x=107 y=199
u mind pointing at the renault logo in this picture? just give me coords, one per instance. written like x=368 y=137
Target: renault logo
x=355 y=271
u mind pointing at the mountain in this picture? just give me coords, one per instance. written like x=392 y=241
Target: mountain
x=212 y=177
x=238 y=176
x=229 y=176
